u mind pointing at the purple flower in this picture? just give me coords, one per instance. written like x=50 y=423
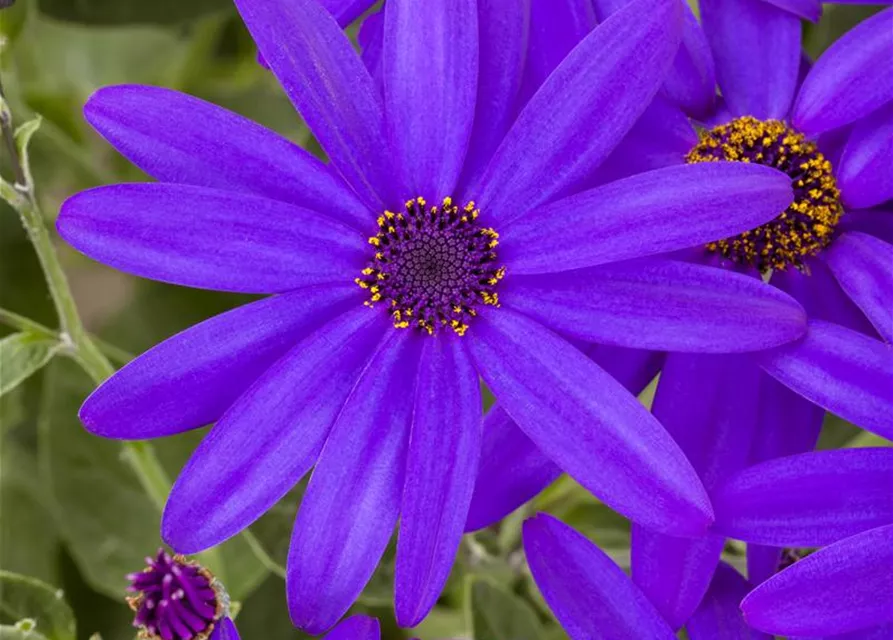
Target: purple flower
x=446 y=240
x=590 y=595
x=845 y=588
x=177 y=599
x=724 y=411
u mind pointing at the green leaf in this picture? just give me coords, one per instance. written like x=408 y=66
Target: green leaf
x=22 y=597
x=110 y=523
x=116 y=12
x=29 y=542
x=497 y=614
x=21 y=355
x=17 y=633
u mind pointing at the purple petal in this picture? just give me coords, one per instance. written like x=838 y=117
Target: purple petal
x=513 y=470
x=430 y=67
x=841 y=370
x=270 y=437
x=210 y=239
x=844 y=587
x=555 y=29
x=719 y=617
x=863 y=265
x=808 y=500
x=331 y=88
x=573 y=410
x=659 y=139
x=346 y=11
x=177 y=138
x=822 y=296
x=864 y=174
x=370 y=37
x=691 y=82
x=352 y=502
x=189 y=380
x=602 y=86
x=356 y=628
x=444 y=449
x=756 y=47
x=589 y=594
x=807 y=9
x=503 y=27
x=877 y=222
x=225 y=630
x=708 y=404
x=660 y=304
x=640 y=216
x=850 y=80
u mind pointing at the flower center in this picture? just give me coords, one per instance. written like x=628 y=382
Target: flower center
x=804 y=228
x=175 y=599
x=433 y=266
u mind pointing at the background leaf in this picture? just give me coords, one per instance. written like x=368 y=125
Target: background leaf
x=24 y=597
x=497 y=614
x=21 y=355
x=111 y=12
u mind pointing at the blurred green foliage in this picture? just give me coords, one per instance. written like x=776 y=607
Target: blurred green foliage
x=74 y=518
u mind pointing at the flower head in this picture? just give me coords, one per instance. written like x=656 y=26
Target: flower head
x=177 y=599
x=394 y=294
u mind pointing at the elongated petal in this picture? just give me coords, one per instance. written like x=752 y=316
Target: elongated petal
x=642 y=215
x=601 y=87
x=331 y=88
x=660 y=304
x=573 y=411
x=225 y=630
x=210 y=239
x=877 y=222
x=503 y=27
x=691 y=81
x=270 y=437
x=756 y=47
x=708 y=404
x=513 y=470
x=445 y=445
x=822 y=296
x=864 y=175
x=352 y=502
x=844 y=587
x=807 y=9
x=863 y=266
x=346 y=11
x=850 y=80
x=808 y=500
x=356 y=628
x=841 y=370
x=555 y=29
x=430 y=69
x=589 y=594
x=718 y=617
x=177 y=138
x=189 y=380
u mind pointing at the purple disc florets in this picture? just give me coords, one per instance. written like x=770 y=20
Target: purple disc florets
x=433 y=266
x=807 y=225
x=176 y=599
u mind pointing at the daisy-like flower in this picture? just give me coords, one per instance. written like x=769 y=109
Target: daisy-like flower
x=429 y=252
x=724 y=411
x=844 y=590
x=177 y=599
x=356 y=628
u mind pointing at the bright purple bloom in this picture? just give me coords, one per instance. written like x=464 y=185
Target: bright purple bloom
x=844 y=588
x=724 y=411
x=590 y=595
x=177 y=599
x=384 y=401
x=719 y=615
